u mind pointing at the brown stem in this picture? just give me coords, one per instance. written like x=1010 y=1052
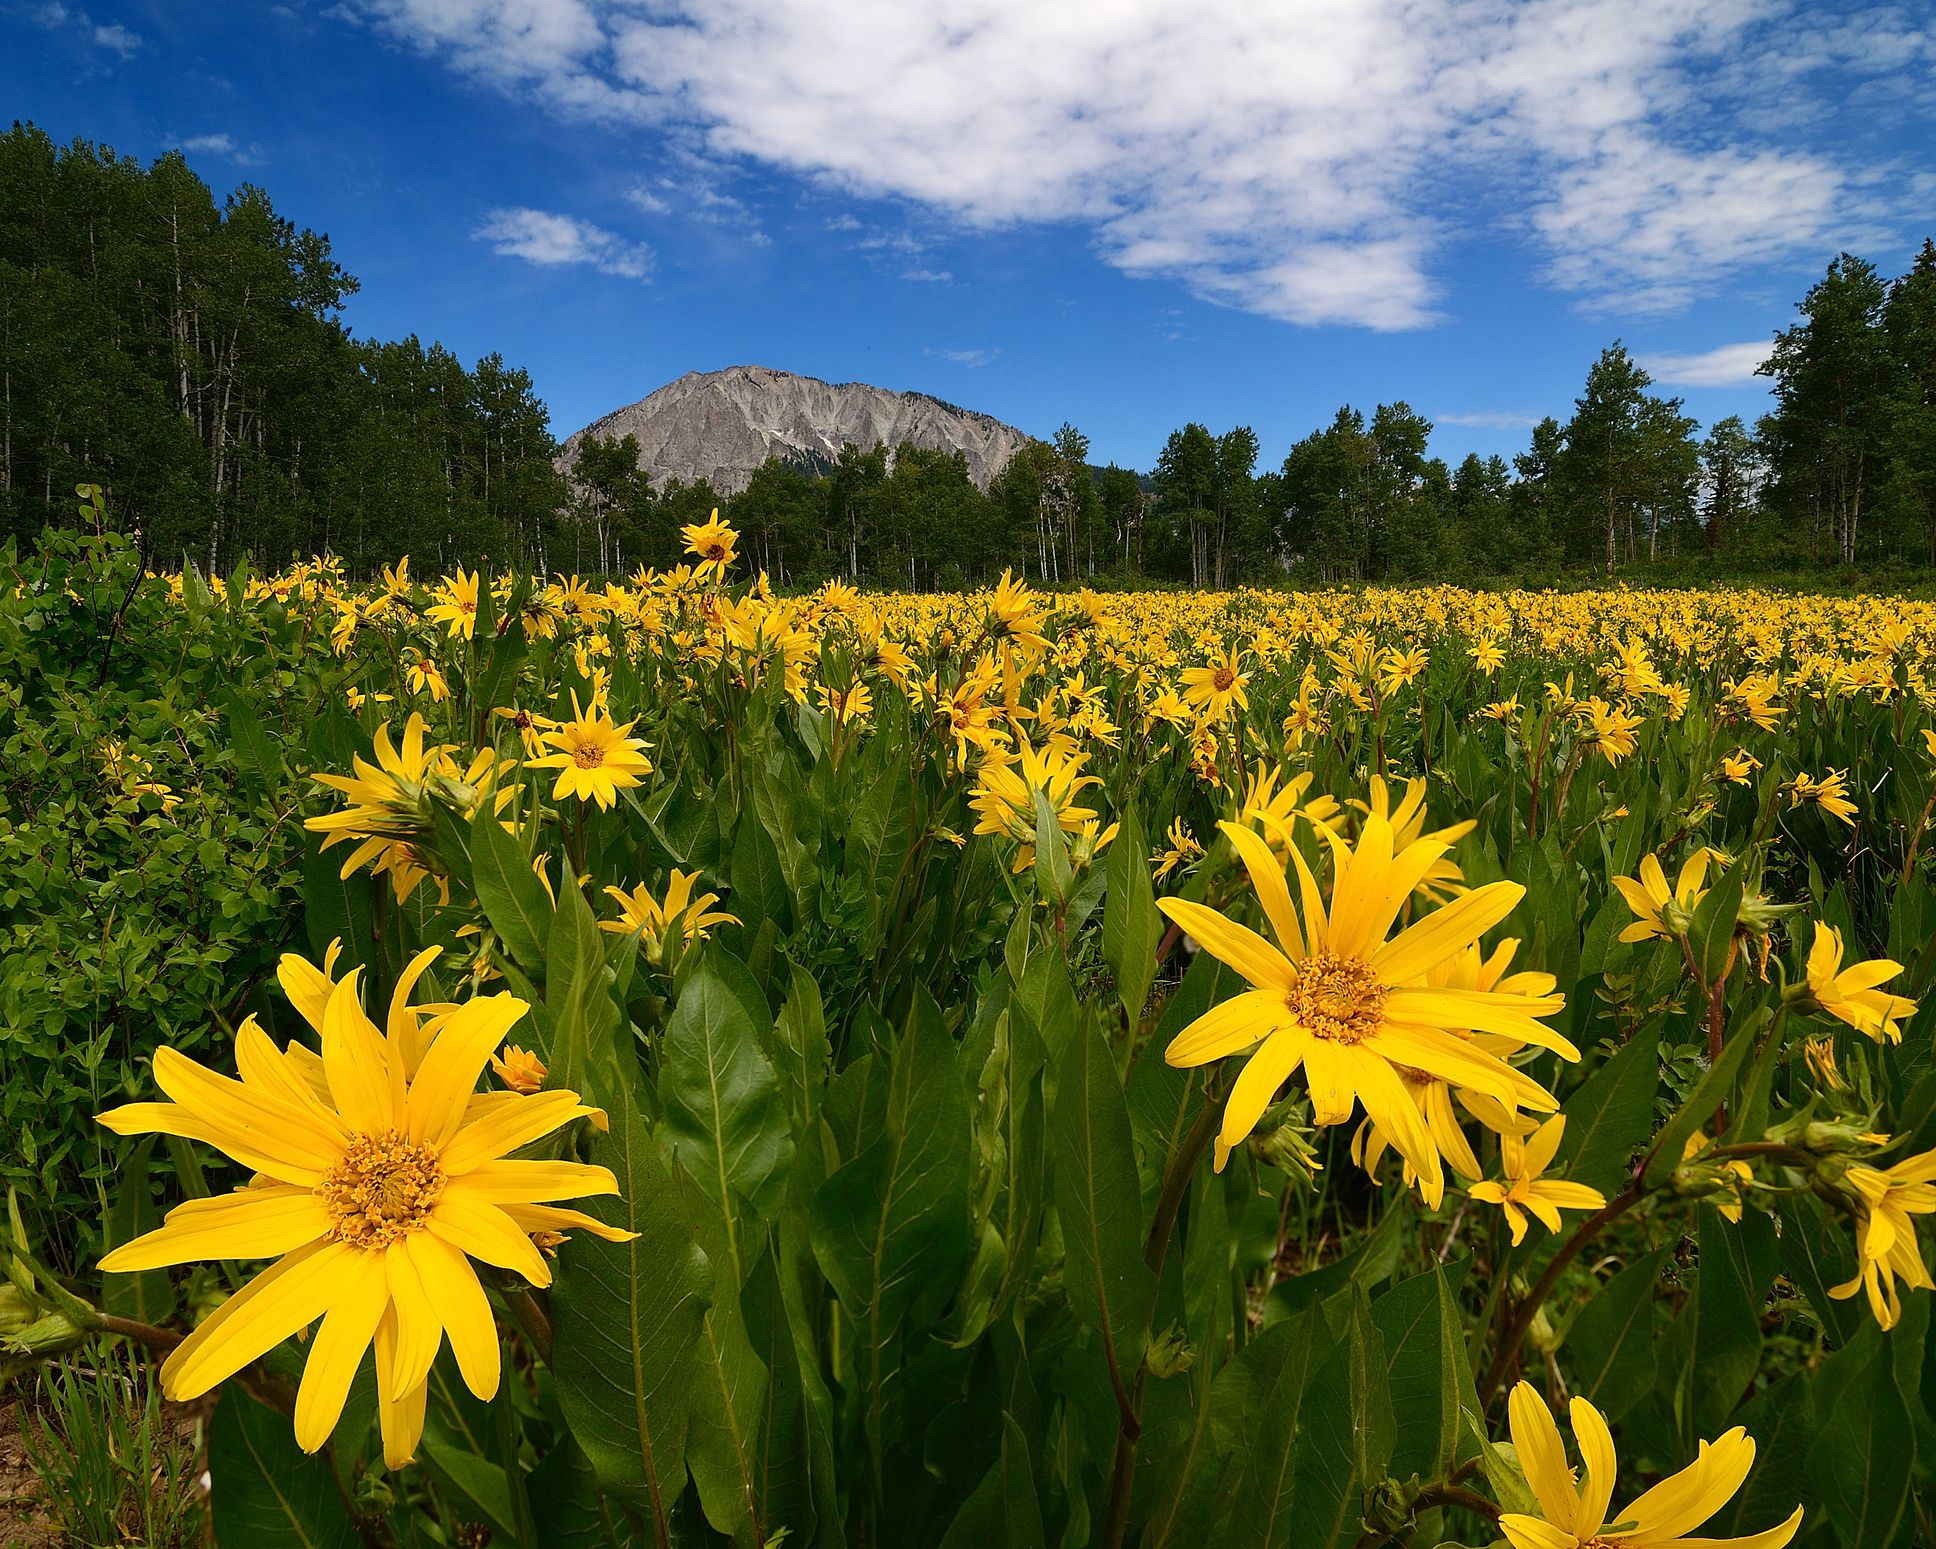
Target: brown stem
x=1523 y=1315
x=1443 y=1493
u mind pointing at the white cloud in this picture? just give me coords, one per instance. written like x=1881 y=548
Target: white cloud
x=928 y=276
x=649 y=202
x=1490 y=419
x=541 y=237
x=222 y=145
x=118 y=38
x=968 y=358
x=1727 y=365
x=1305 y=159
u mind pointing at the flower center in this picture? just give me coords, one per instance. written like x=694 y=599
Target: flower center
x=1223 y=679
x=383 y=1189
x=588 y=755
x=1337 y=998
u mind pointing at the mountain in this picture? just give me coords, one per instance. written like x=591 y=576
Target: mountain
x=721 y=425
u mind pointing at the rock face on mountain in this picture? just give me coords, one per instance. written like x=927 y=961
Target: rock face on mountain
x=721 y=425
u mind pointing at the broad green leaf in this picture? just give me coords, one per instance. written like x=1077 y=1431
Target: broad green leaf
x=513 y=899
x=1864 y=1451
x=724 y=1112
x=1609 y=1351
x=625 y=1321
x=800 y=1049
x=1713 y=926
x=336 y=908
x=1004 y=1509
x=1131 y=927
x=1610 y=1117
x=794 y=1460
x=477 y=1481
x=728 y=1408
x=584 y=1018
x=1257 y=1402
x=565 y=1506
x=759 y=889
x=1431 y=1383
x=1346 y=1438
x=263 y=1488
x=146 y=1296
x=1099 y=1200
x=893 y=1222
x=1727 y=1325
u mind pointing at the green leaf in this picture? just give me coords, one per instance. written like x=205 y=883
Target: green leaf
x=1431 y=1384
x=513 y=899
x=1131 y=927
x=625 y=1320
x=1864 y=1452
x=263 y=1488
x=894 y=1221
x=1344 y=1447
x=1258 y=1404
x=795 y=1464
x=728 y=1402
x=1054 y=879
x=565 y=1506
x=255 y=750
x=335 y=907
x=1003 y=1509
x=1711 y=934
x=801 y=1051
x=584 y=1017
x=723 y=1108
x=1610 y=1346
x=1611 y=1115
x=1099 y=1200
x=146 y=1295
x=477 y=1481
x=759 y=885
x=1727 y=1323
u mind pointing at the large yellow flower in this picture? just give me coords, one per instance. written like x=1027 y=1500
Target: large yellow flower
x=1661 y=914
x=380 y=1173
x=1885 y=1238
x=596 y=759
x=1854 y=994
x=1350 y=1007
x=1214 y=690
x=1575 y=1516
x=1004 y=795
x=1526 y=1189
x=390 y=802
x=642 y=915
x=456 y=604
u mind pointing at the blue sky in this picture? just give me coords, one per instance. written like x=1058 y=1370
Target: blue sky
x=1122 y=213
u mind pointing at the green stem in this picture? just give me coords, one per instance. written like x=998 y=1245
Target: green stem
x=1169 y=1201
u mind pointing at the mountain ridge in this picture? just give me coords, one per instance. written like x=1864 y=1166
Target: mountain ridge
x=721 y=425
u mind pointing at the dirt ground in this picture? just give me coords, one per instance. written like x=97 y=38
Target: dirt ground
x=23 y=1525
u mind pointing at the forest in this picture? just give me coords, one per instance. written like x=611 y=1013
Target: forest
x=190 y=357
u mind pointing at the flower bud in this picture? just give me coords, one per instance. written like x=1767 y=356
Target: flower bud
x=1169 y=1354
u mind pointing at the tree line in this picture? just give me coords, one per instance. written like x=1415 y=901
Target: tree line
x=190 y=357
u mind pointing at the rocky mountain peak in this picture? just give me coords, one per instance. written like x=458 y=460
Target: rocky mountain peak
x=721 y=425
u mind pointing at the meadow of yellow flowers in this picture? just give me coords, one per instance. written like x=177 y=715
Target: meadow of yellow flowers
x=1079 y=1068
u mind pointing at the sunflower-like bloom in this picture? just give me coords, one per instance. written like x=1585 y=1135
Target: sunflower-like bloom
x=456 y=604
x=1526 y=1189
x=1574 y=1516
x=1885 y=1236
x=1830 y=793
x=1274 y=809
x=1661 y=914
x=1443 y=880
x=1004 y=795
x=1738 y=767
x=390 y=803
x=1854 y=994
x=596 y=759
x=1183 y=851
x=1348 y=1005
x=1469 y=969
x=1015 y=613
x=380 y=1174
x=1610 y=728
x=1218 y=688
x=651 y=919
x=713 y=544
